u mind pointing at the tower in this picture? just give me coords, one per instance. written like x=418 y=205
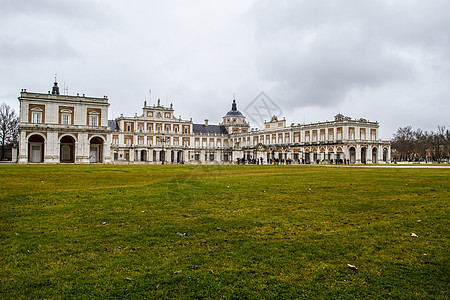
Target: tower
x=234 y=120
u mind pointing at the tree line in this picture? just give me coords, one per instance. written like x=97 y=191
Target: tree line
x=421 y=145
x=9 y=131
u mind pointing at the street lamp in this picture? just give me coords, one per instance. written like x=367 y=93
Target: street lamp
x=163 y=140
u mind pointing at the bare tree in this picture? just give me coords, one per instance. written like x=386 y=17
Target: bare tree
x=419 y=145
x=442 y=135
x=403 y=142
x=446 y=137
x=9 y=123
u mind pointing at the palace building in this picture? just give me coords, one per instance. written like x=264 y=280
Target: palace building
x=57 y=128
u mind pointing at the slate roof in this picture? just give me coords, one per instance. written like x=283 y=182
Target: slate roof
x=234 y=113
x=113 y=124
x=218 y=129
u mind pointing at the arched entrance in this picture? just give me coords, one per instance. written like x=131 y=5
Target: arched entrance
x=363 y=155
x=180 y=156
x=307 y=157
x=143 y=155
x=375 y=155
x=162 y=156
x=385 y=154
x=67 y=149
x=96 y=150
x=36 y=148
x=352 y=151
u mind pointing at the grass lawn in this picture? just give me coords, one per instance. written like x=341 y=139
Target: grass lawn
x=233 y=232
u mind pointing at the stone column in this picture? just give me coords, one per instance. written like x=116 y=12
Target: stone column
x=358 y=154
x=369 y=155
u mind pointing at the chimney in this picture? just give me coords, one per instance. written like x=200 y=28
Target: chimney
x=206 y=122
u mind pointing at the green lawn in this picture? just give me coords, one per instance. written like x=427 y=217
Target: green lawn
x=233 y=232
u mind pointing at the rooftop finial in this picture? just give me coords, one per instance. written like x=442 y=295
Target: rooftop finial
x=55 y=89
x=234 y=106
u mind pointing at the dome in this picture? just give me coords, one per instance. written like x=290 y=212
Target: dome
x=234 y=112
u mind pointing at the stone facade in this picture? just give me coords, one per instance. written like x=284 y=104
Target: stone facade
x=58 y=128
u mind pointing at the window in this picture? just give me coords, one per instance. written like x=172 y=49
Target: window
x=186 y=129
x=115 y=141
x=352 y=135
x=141 y=128
x=36 y=117
x=93 y=120
x=128 y=127
x=65 y=115
x=175 y=142
x=150 y=140
x=66 y=118
x=175 y=129
x=167 y=128
x=93 y=117
x=128 y=141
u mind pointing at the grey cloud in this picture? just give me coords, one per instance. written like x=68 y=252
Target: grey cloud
x=321 y=51
x=53 y=8
x=24 y=50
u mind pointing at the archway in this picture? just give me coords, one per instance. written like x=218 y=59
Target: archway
x=143 y=155
x=307 y=157
x=352 y=155
x=96 y=150
x=36 y=148
x=375 y=155
x=162 y=156
x=180 y=155
x=363 y=155
x=385 y=154
x=67 y=149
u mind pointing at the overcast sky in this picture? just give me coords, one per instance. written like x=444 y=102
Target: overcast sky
x=384 y=60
